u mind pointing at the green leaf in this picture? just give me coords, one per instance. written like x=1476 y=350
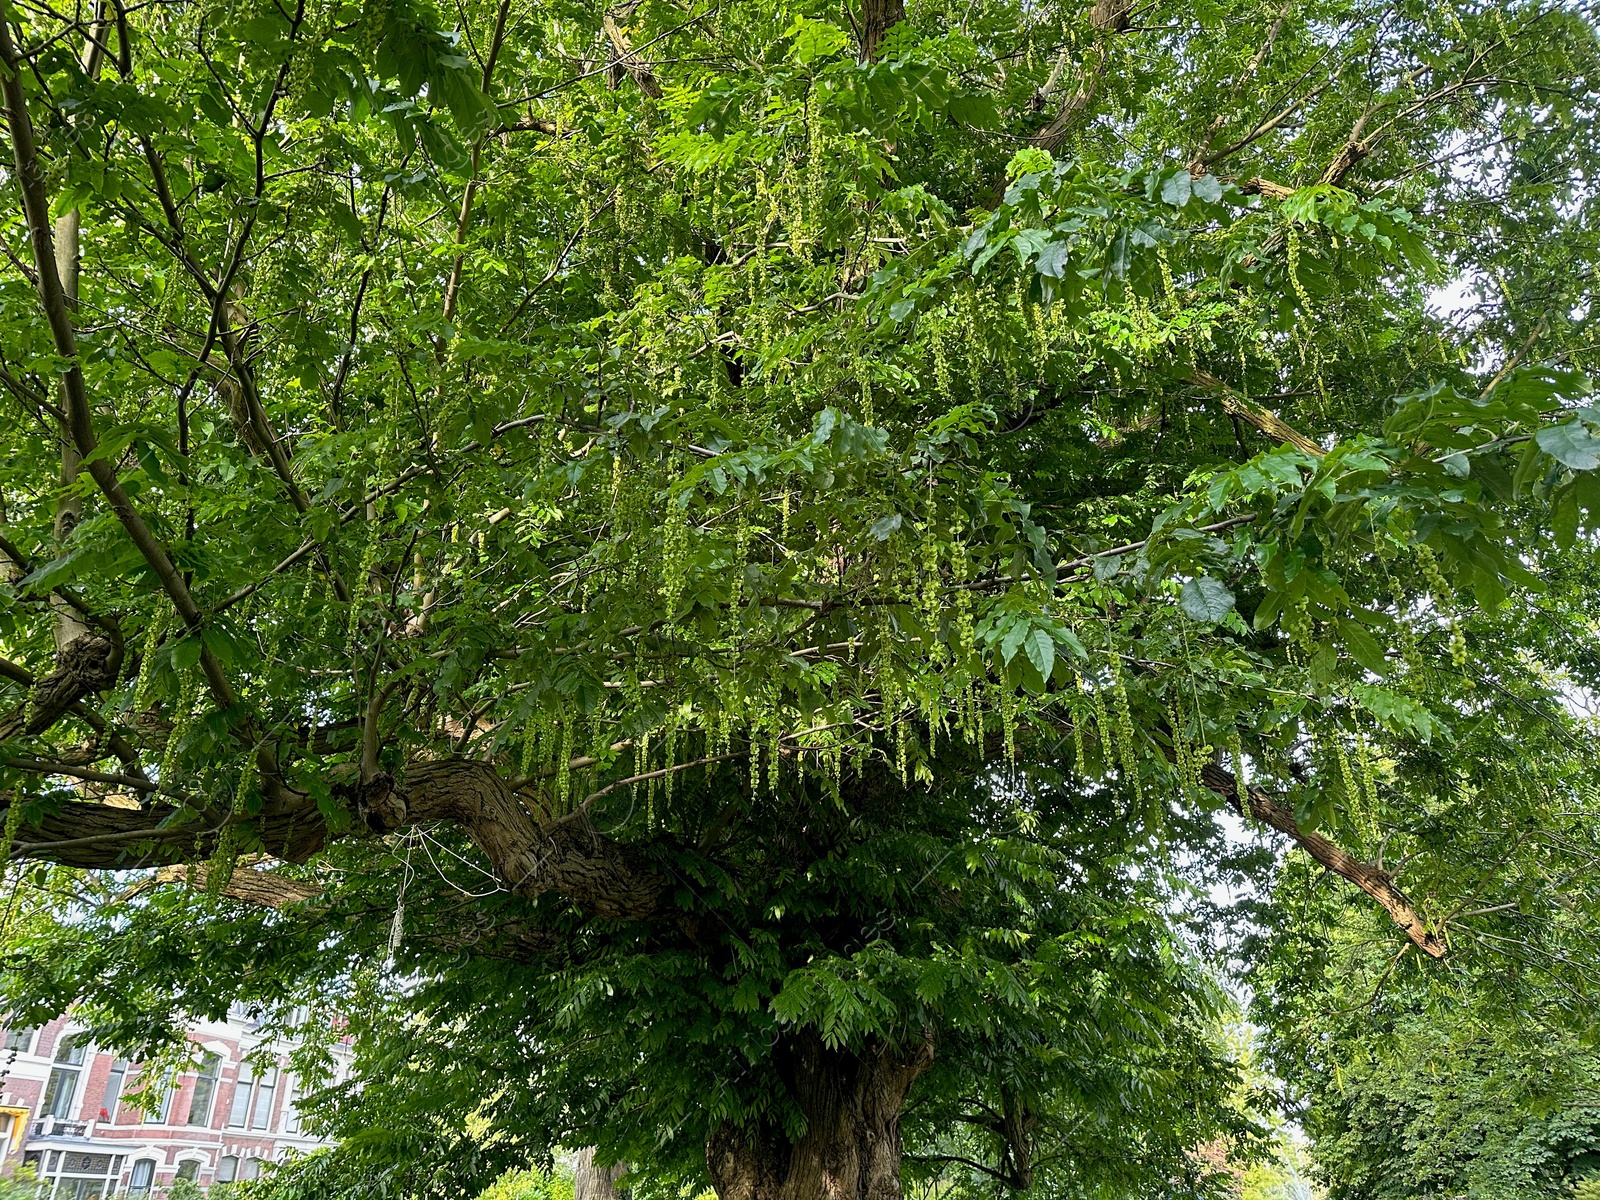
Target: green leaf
x=1564 y=520
x=1208 y=188
x=1571 y=445
x=186 y=653
x=1053 y=260
x=1041 y=651
x=815 y=39
x=1175 y=189
x=1012 y=641
x=1206 y=600
x=1363 y=647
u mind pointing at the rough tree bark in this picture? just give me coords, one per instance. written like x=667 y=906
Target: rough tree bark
x=69 y=504
x=1373 y=880
x=1106 y=18
x=851 y=1148
x=591 y=1181
x=877 y=18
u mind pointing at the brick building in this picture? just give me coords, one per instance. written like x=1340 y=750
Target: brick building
x=63 y=1111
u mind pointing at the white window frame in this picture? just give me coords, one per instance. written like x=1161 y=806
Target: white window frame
x=215 y=1061
x=134 y=1187
x=290 y=1121
x=111 y=1101
x=65 y=1068
x=266 y=1088
x=243 y=1090
x=162 y=1113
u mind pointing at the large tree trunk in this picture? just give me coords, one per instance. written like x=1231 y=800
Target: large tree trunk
x=591 y=1181
x=851 y=1147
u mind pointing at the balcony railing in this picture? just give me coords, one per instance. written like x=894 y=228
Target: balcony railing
x=56 y=1127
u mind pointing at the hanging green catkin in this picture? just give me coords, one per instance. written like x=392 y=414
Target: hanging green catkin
x=246 y=776
x=1236 y=752
x=182 y=716
x=1354 y=800
x=9 y=837
x=930 y=604
x=961 y=624
x=1167 y=283
x=675 y=556
x=1458 y=648
x=775 y=756
x=1008 y=720
x=972 y=339
x=147 y=661
x=863 y=372
x=530 y=747
x=1294 y=270
x=1368 y=778
x=1180 y=747
x=1125 y=743
x=564 y=766
x=1080 y=758
x=224 y=858
x=943 y=372
x=1102 y=720
x=1437 y=584
x=741 y=556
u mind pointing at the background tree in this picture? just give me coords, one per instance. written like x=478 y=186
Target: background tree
x=1410 y=1094
x=741 y=554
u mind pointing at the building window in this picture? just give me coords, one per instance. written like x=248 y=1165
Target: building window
x=79 y=1174
x=251 y=1169
x=113 y=1093
x=63 y=1086
x=205 y=1088
x=239 y=1108
x=291 y=1111
x=144 y=1173
x=266 y=1088
x=163 y=1109
x=188 y=1170
x=227 y=1168
x=20 y=1040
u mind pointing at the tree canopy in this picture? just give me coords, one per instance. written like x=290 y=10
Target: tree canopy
x=714 y=577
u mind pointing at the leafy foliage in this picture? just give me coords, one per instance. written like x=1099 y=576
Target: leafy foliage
x=677 y=561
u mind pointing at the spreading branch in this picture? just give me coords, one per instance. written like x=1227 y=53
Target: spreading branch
x=1374 y=881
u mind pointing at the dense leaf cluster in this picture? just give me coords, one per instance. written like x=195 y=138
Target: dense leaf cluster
x=701 y=547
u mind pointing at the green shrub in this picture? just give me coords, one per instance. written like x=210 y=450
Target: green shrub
x=530 y=1185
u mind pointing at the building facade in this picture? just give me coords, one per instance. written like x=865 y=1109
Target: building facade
x=64 y=1112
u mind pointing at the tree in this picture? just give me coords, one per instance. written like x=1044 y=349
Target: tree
x=711 y=599
x=1411 y=1095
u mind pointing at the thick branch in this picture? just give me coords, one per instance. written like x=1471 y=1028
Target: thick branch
x=262 y=888
x=1267 y=421
x=83 y=667
x=626 y=59
x=1106 y=17
x=1374 y=881
x=569 y=858
x=112 y=837
x=36 y=208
